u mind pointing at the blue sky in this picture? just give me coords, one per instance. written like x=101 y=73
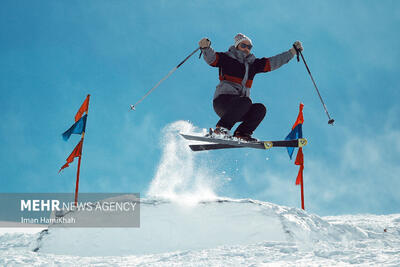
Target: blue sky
x=54 y=53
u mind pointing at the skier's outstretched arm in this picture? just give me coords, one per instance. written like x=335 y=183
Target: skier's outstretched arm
x=275 y=62
x=210 y=56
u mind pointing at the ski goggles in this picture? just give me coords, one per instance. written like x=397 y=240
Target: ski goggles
x=243 y=45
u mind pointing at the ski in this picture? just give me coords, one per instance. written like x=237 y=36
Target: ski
x=211 y=147
x=226 y=143
x=265 y=145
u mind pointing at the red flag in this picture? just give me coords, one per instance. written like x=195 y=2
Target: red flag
x=300 y=118
x=300 y=161
x=77 y=152
x=84 y=108
x=299 y=180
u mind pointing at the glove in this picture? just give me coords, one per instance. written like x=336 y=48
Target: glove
x=298 y=46
x=204 y=43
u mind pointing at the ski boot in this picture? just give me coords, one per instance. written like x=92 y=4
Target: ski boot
x=244 y=137
x=219 y=132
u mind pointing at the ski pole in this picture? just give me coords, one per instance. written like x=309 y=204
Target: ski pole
x=133 y=107
x=331 y=121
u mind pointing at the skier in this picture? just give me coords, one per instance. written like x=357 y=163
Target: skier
x=237 y=68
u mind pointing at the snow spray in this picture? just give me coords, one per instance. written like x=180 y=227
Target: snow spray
x=180 y=176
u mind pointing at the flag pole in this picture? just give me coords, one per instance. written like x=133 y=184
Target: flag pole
x=80 y=158
x=302 y=194
x=77 y=179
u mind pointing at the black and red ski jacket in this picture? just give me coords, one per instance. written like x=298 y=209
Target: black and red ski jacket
x=237 y=71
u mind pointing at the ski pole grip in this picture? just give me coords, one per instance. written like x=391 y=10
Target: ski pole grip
x=297 y=52
x=201 y=51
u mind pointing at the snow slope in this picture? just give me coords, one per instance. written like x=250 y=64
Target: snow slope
x=223 y=232
x=168 y=226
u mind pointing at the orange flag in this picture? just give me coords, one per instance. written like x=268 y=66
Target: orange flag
x=300 y=161
x=77 y=152
x=300 y=118
x=84 y=108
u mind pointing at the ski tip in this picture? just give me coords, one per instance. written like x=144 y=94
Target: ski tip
x=302 y=142
x=195 y=148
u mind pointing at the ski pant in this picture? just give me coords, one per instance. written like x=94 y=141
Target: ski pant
x=233 y=108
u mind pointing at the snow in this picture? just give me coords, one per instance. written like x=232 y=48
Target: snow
x=228 y=232
x=185 y=223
